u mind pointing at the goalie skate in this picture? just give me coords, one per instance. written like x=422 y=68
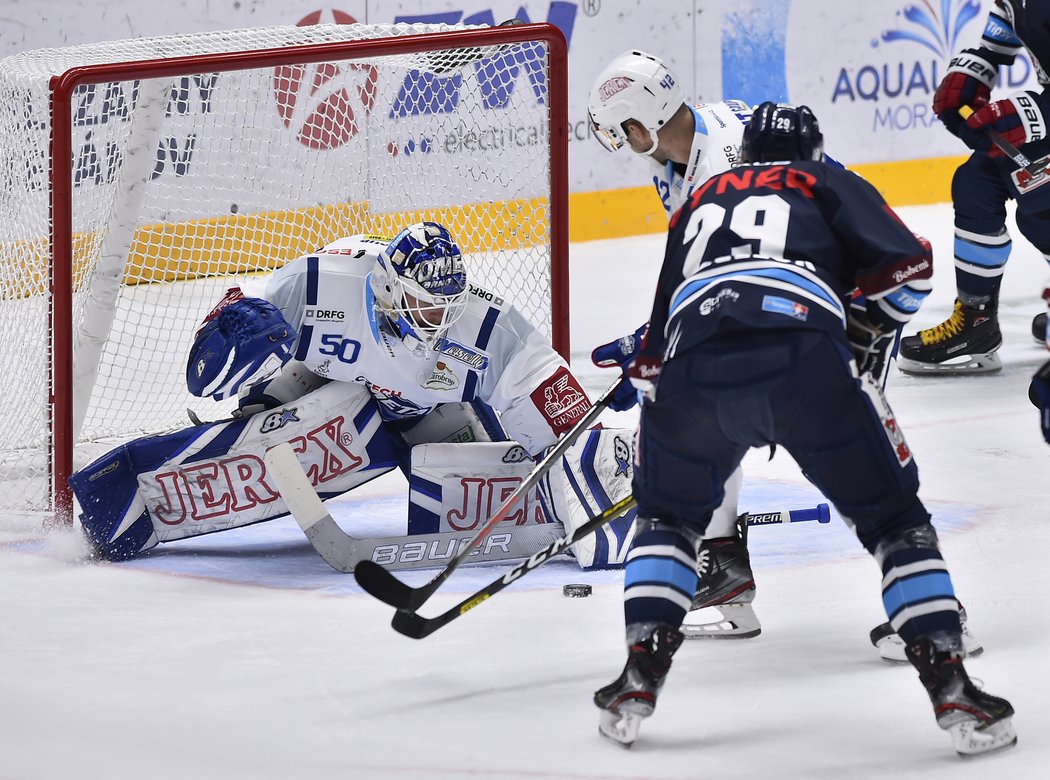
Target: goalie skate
x=891 y=647
x=631 y=698
x=976 y=721
x=965 y=343
x=727 y=585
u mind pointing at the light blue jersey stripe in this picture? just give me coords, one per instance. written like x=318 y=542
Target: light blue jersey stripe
x=660 y=571
x=913 y=590
x=981 y=254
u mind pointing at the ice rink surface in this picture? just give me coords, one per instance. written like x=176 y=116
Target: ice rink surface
x=243 y=655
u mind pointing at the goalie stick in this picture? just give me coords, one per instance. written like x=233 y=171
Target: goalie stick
x=414 y=625
x=380 y=583
x=344 y=552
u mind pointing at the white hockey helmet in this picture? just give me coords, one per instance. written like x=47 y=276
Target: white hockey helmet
x=637 y=86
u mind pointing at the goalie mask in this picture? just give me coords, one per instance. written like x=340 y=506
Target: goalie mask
x=243 y=341
x=782 y=133
x=420 y=283
x=635 y=86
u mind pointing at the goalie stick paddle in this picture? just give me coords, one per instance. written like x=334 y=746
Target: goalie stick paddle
x=379 y=582
x=344 y=552
x=414 y=625
x=1033 y=169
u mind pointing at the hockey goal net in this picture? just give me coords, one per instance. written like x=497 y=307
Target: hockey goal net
x=140 y=177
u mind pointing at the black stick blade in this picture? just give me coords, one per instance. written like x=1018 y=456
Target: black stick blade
x=411 y=624
x=380 y=583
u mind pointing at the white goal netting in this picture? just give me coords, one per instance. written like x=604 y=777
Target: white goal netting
x=184 y=175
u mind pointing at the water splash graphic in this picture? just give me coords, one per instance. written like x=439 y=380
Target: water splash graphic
x=937 y=29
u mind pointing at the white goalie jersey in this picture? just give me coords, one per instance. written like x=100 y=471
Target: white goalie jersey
x=491 y=353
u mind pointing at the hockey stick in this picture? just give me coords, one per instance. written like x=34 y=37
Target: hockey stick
x=1033 y=169
x=412 y=624
x=389 y=589
x=344 y=552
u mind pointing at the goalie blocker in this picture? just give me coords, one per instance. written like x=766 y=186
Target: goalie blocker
x=213 y=477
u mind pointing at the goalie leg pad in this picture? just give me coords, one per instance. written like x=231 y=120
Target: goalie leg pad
x=595 y=473
x=458 y=487
x=113 y=515
x=212 y=477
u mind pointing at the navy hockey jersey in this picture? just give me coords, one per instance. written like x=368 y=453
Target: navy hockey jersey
x=781 y=246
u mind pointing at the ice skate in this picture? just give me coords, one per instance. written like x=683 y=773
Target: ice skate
x=727 y=584
x=1039 y=330
x=891 y=648
x=978 y=722
x=631 y=698
x=965 y=343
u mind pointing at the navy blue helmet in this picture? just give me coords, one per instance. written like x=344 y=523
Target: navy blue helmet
x=782 y=133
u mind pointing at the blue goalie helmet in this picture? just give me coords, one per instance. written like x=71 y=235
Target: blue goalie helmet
x=420 y=283
x=243 y=341
x=782 y=133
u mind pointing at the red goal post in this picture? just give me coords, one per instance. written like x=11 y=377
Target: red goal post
x=465 y=126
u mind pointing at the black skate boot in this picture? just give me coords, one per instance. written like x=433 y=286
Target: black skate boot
x=1039 y=329
x=726 y=583
x=631 y=698
x=965 y=343
x=977 y=721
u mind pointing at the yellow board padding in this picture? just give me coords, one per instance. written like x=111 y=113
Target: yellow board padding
x=240 y=244
x=636 y=210
x=237 y=244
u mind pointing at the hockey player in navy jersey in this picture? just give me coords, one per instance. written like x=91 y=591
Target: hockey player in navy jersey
x=751 y=343
x=967 y=342
x=357 y=352
x=637 y=102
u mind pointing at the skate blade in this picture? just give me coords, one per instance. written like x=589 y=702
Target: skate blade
x=622 y=726
x=739 y=621
x=891 y=648
x=960 y=365
x=969 y=740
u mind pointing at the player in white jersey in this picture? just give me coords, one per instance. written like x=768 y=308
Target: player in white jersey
x=637 y=102
x=418 y=341
x=357 y=353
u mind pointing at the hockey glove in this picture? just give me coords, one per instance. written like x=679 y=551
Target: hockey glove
x=968 y=82
x=1019 y=119
x=1039 y=394
x=872 y=348
x=643 y=373
x=619 y=354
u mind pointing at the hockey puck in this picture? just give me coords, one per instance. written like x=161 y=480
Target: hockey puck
x=576 y=591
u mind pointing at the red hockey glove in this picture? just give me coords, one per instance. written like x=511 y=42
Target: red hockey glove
x=1019 y=119
x=968 y=82
x=644 y=372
